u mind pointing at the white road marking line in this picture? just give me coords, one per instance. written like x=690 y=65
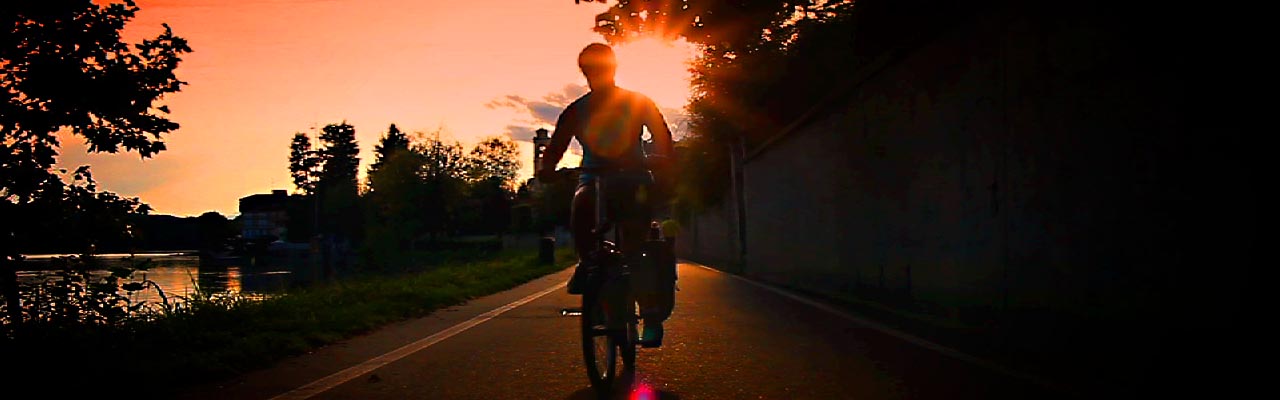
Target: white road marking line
x=340 y=377
x=953 y=353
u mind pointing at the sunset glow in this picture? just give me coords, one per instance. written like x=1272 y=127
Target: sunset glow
x=262 y=70
x=657 y=68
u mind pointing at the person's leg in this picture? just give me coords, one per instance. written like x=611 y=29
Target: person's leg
x=635 y=233
x=644 y=276
x=582 y=220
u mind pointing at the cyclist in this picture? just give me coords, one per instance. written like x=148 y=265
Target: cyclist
x=608 y=122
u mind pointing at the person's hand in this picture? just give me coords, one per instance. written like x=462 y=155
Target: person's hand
x=662 y=168
x=658 y=163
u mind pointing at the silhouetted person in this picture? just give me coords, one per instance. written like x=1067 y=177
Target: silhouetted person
x=608 y=122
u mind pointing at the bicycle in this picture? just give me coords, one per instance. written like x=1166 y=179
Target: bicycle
x=608 y=315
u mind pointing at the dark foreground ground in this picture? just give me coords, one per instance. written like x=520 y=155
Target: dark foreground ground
x=728 y=339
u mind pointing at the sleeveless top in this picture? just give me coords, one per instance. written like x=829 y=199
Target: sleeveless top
x=610 y=124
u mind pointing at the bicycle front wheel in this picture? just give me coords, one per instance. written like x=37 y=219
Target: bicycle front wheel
x=600 y=344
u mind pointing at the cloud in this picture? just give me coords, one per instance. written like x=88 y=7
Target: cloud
x=523 y=133
x=519 y=133
x=539 y=113
x=568 y=94
x=544 y=111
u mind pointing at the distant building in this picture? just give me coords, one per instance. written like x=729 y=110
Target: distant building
x=264 y=216
x=540 y=142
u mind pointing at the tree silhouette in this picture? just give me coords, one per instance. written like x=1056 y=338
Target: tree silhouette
x=396 y=207
x=339 y=162
x=302 y=164
x=444 y=177
x=494 y=158
x=65 y=68
x=491 y=172
x=339 y=157
x=552 y=203
x=716 y=23
x=394 y=141
x=214 y=230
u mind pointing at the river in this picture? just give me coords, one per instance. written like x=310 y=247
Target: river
x=180 y=274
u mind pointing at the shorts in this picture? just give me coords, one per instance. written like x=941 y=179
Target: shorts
x=627 y=196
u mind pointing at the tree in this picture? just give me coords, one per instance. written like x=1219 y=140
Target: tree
x=395 y=205
x=339 y=162
x=494 y=158
x=488 y=207
x=553 y=201
x=65 y=68
x=394 y=141
x=491 y=173
x=396 y=190
x=724 y=23
x=444 y=177
x=302 y=164
x=339 y=157
x=214 y=230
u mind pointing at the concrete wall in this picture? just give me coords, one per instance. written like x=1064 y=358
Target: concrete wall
x=711 y=237
x=1013 y=161
x=894 y=191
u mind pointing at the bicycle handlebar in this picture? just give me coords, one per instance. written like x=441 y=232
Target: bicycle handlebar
x=647 y=166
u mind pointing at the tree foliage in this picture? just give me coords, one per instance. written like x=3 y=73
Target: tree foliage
x=303 y=161
x=444 y=176
x=65 y=69
x=394 y=141
x=552 y=202
x=339 y=157
x=215 y=231
x=427 y=189
x=337 y=186
x=495 y=158
x=706 y=22
x=74 y=215
x=395 y=205
x=65 y=66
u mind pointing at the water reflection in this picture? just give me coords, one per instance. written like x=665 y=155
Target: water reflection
x=182 y=276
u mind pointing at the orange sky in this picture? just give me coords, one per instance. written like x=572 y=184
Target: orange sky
x=262 y=70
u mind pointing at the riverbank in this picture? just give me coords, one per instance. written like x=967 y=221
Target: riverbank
x=213 y=337
x=56 y=262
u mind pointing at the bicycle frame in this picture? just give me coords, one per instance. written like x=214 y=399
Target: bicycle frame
x=610 y=257
x=608 y=303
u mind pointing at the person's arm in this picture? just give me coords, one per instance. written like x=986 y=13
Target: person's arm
x=658 y=129
x=566 y=130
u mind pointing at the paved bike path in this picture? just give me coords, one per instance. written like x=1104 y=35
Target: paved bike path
x=728 y=339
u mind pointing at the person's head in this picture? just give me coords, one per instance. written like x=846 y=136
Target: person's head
x=598 y=64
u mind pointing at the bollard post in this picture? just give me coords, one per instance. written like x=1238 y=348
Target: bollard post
x=547 y=250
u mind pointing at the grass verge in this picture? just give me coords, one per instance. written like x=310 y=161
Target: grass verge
x=214 y=338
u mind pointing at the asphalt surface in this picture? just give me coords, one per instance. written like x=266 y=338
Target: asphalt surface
x=728 y=339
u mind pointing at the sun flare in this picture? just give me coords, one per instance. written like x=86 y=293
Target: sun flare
x=657 y=68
